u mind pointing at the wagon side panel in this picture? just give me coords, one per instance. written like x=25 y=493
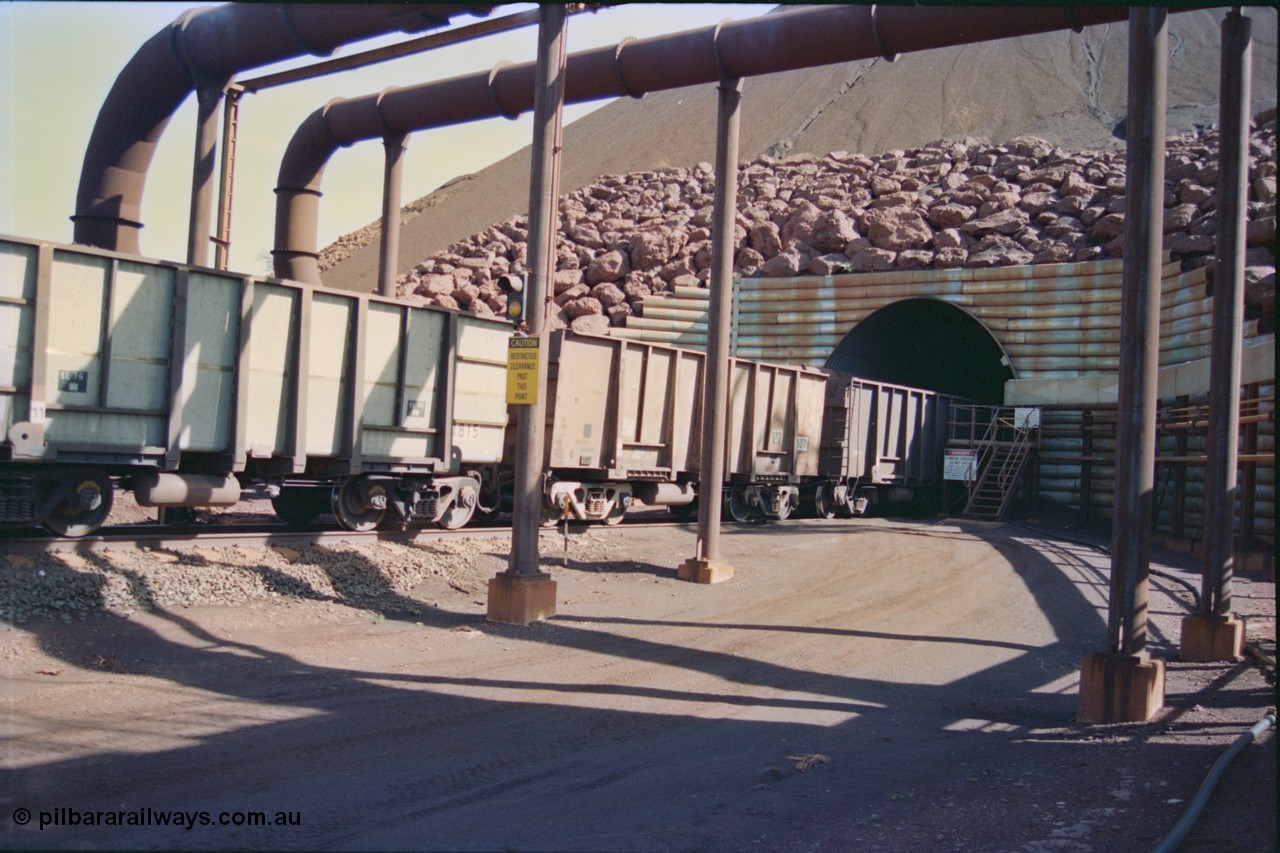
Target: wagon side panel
x=479 y=390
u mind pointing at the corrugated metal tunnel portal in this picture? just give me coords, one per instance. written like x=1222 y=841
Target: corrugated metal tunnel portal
x=927 y=343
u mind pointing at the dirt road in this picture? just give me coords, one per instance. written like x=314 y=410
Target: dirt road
x=862 y=685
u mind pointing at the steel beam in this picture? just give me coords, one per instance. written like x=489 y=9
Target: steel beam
x=230 y=124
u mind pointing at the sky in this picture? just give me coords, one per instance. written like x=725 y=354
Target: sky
x=58 y=60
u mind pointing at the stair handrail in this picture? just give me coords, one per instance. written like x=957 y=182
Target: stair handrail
x=1001 y=472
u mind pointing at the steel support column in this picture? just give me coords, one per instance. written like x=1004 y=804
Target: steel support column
x=706 y=565
x=392 y=179
x=523 y=593
x=230 y=125
x=208 y=99
x=1139 y=331
x=1122 y=684
x=1228 y=314
x=1213 y=633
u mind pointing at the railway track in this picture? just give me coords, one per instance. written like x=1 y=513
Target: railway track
x=257 y=535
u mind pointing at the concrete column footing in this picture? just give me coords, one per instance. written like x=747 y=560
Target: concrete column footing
x=1119 y=688
x=521 y=599
x=704 y=571
x=1212 y=637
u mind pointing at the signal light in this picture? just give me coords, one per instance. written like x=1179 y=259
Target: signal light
x=513 y=286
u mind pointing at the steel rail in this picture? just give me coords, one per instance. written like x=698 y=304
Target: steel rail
x=156 y=537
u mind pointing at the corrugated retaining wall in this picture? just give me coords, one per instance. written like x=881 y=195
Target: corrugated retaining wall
x=1055 y=321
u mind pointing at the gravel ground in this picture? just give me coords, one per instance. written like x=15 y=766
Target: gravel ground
x=858 y=685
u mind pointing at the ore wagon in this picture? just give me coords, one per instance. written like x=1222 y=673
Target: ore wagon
x=881 y=444
x=185 y=384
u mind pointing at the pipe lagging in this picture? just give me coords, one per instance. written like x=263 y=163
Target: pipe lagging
x=803 y=37
x=1183 y=827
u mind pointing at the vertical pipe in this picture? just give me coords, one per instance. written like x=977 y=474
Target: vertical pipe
x=209 y=98
x=1139 y=330
x=715 y=403
x=230 y=121
x=392 y=178
x=1228 y=314
x=544 y=191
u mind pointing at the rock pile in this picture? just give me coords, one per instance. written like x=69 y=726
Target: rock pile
x=946 y=205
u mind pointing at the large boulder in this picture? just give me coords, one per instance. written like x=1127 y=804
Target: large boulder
x=896 y=229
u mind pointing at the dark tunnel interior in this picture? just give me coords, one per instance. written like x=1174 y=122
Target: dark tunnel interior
x=926 y=343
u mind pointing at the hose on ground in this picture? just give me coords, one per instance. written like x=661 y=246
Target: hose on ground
x=1181 y=829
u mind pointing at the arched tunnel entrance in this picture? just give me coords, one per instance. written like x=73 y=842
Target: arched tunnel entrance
x=926 y=343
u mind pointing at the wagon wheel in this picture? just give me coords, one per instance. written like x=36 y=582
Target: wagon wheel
x=615 y=515
x=736 y=507
x=550 y=517
x=299 y=507
x=359 y=506
x=85 y=506
x=824 y=505
x=457 y=515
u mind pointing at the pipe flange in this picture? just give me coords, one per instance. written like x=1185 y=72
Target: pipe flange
x=202 y=81
x=323 y=115
x=617 y=68
x=389 y=134
x=493 y=91
x=724 y=74
x=885 y=53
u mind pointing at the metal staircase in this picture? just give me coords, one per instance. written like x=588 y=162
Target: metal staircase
x=1006 y=447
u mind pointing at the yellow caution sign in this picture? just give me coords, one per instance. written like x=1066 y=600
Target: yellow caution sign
x=522 y=371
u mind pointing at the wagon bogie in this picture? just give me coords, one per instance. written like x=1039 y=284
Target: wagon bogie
x=760 y=501
x=585 y=501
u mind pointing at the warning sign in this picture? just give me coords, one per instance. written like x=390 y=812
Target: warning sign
x=522 y=371
x=960 y=465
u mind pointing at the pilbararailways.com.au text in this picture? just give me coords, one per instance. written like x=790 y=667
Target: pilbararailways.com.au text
x=69 y=817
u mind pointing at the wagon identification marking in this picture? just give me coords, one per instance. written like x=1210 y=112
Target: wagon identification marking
x=522 y=371
x=73 y=381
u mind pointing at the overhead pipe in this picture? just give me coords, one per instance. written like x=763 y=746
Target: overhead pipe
x=798 y=38
x=206 y=47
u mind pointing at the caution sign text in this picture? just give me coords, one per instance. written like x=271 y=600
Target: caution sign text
x=522 y=371
x=959 y=464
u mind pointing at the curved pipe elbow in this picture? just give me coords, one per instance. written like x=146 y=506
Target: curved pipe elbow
x=298 y=198
x=207 y=46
